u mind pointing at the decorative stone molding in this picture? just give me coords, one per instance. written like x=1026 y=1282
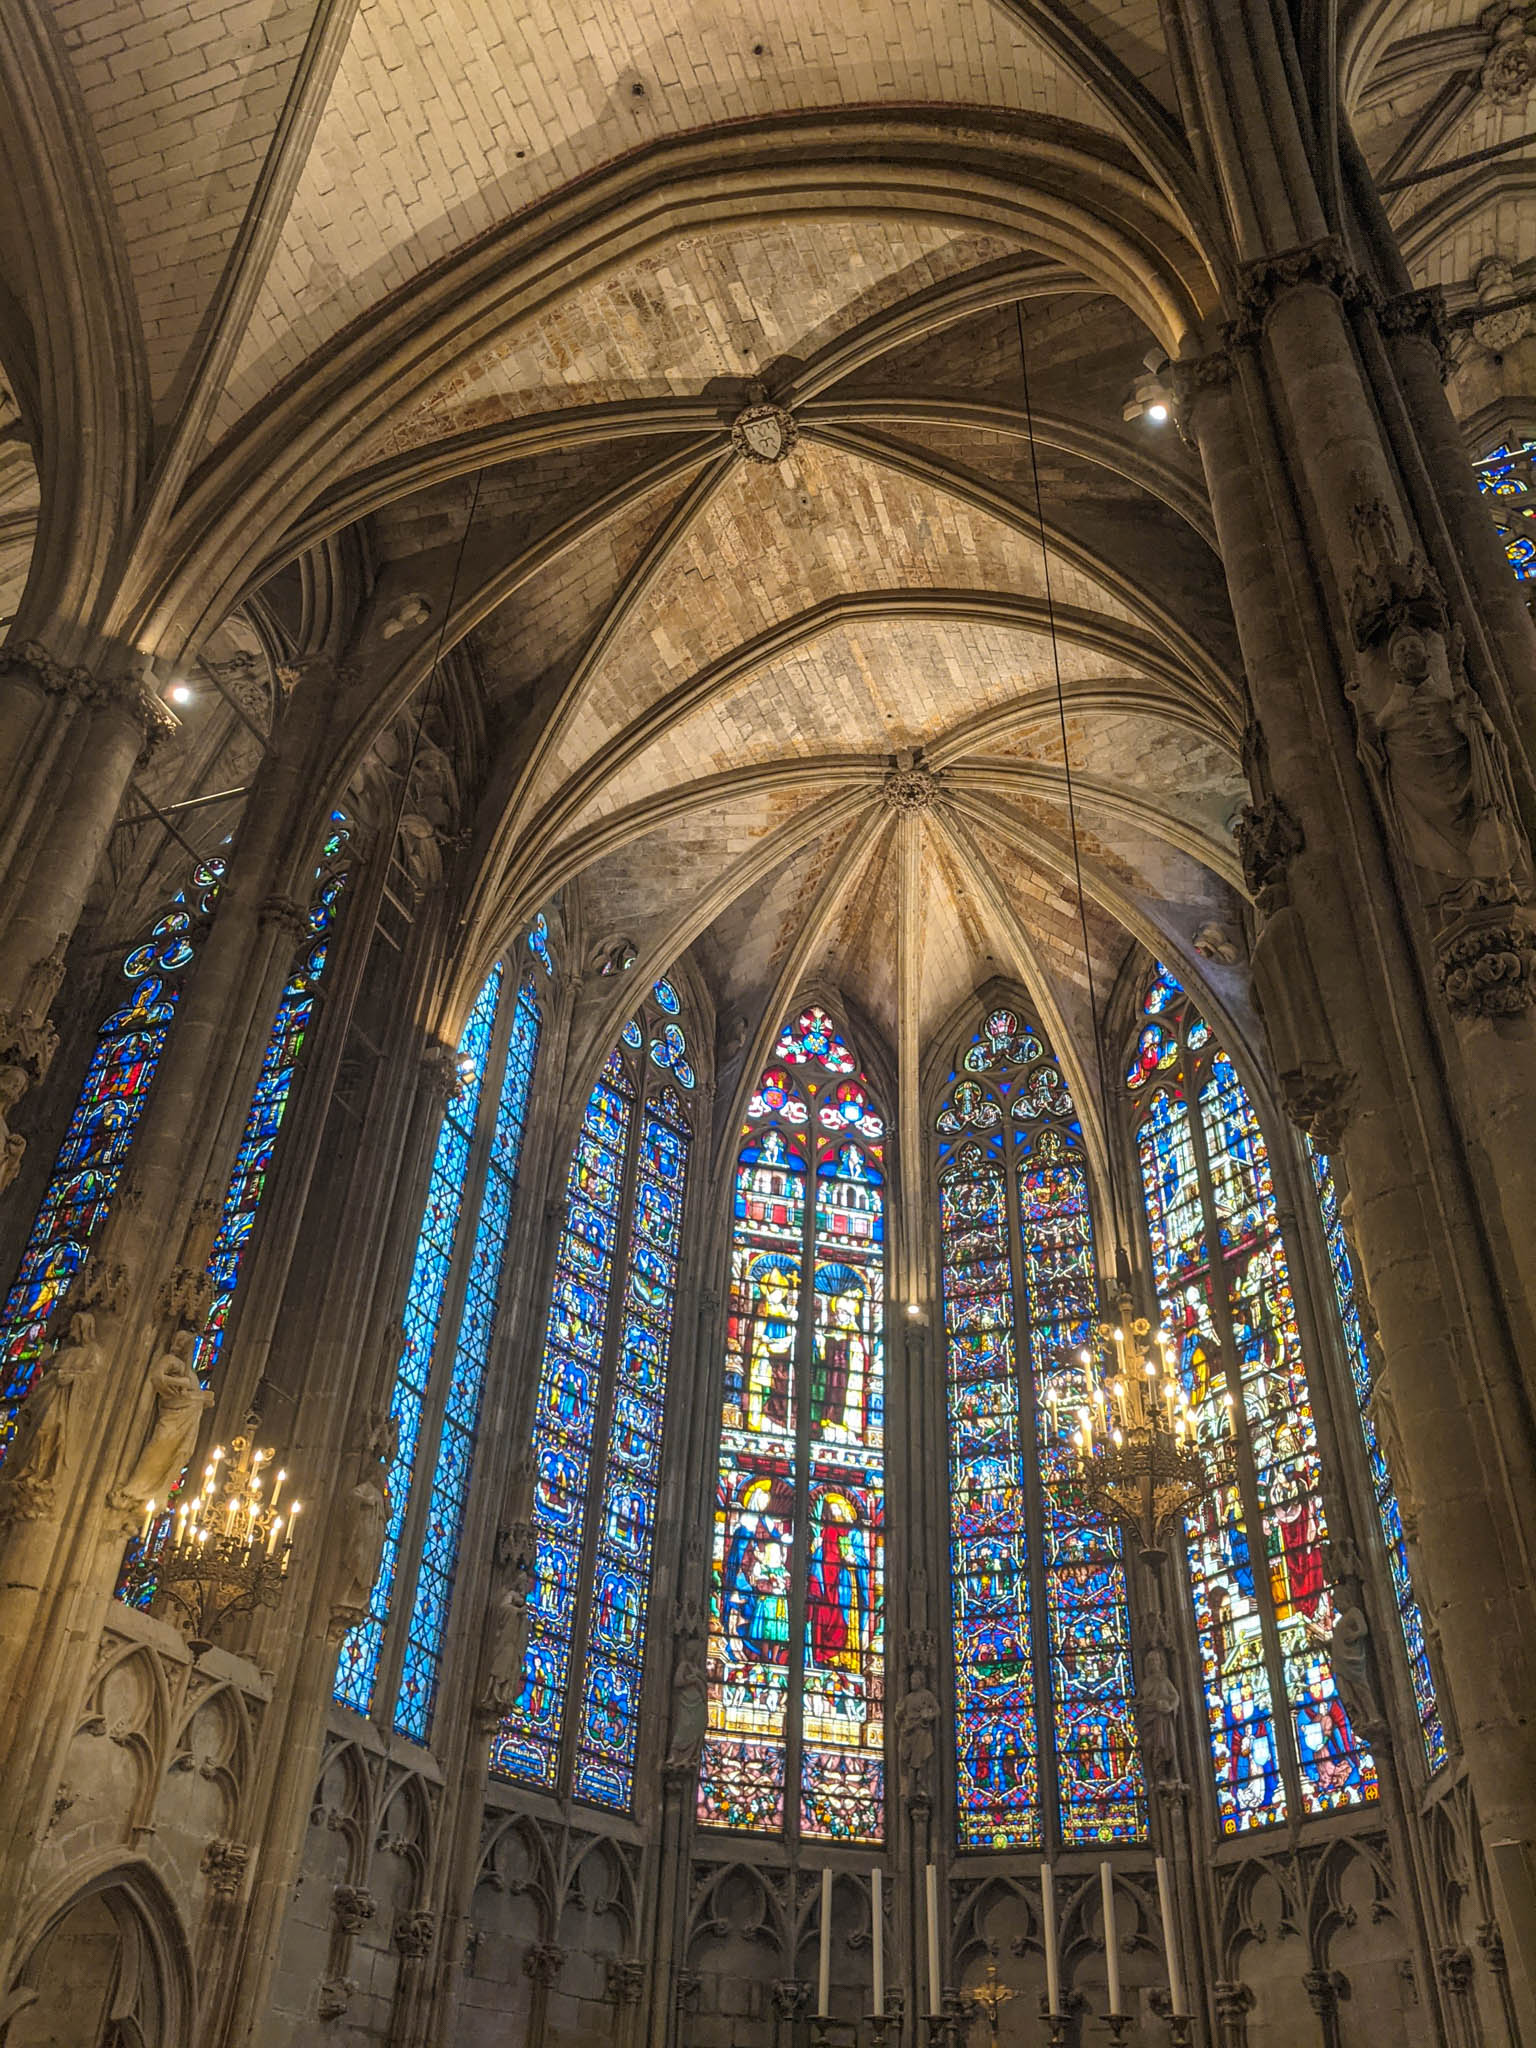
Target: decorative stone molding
x=100 y=1288
x=1268 y=840
x=791 y=1997
x=1509 y=70
x=1318 y=1101
x=544 y=1962
x=1493 y=282
x=351 y=1908
x=686 y=1989
x=1454 y=1967
x=130 y=690
x=910 y=785
x=1487 y=964
x=626 y=1981
x=1232 y=2002
x=1421 y=316
x=1393 y=586
x=414 y=1933
x=223 y=1864
x=1491 y=1942
x=764 y=432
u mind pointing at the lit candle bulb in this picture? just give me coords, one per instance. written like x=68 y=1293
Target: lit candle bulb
x=149 y=1516
x=277 y=1486
x=277 y=1523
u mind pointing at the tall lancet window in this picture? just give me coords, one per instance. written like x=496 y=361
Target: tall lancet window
x=450 y=1314
x=796 y=1738
x=1281 y=1743
x=598 y=1418
x=1045 y=1741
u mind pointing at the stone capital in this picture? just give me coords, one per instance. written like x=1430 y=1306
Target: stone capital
x=626 y=1980
x=441 y=1065
x=223 y=1864
x=29 y=661
x=1262 y=284
x=285 y=916
x=130 y=690
x=414 y=1933
x=351 y=1907
x=544 y=1962
x=1419 y=315
x=1268 y=840
x=1318 y=1101
x=1486 y=961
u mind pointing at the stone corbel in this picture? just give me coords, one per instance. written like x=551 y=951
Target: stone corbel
x=223 y=1864
x=186 y=1299
x=544 y=1962
x=414 y=1933
x=335 y=1996
x=626 y=1980
x=351 y=1908
x=1486 y=964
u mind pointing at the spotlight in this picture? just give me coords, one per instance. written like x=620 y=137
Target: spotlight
x=1150 y=400
x=914 y=1308
x=1156 y=415
x=180 y=693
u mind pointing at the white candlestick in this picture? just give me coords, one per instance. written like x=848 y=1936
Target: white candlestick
x=1048 y=1931
x=935 y=1983
x=1111 y=1951
x=877 y=1932
x=1170 y=1935
x=824 y=1975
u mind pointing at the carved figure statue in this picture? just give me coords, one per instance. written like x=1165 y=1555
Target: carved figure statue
x=1349 y=1655
x=916 y=1718
x=42 y=1445
x=13 y=1085
x=180 y=1401
x=1157 y=1699
x=364 y=1523
x=1442 y=769
x=507 y=1642
x=690 y=1713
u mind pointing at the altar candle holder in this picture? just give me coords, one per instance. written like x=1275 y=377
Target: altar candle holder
x=827 y=2032
x=1117 y=2022
x=881 y=2024
x=1181 y=2029
x=943 y=2029
x=1057 y=2022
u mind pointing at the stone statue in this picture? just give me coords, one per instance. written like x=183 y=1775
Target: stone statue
x=1157 y=1701
x=1349 y=1655
x=916 y=1718
x=1442 y=770
x=46 y=1424
x=364 y=1520
x=13 y=1085
x=180 y=1401
x=506 y=1642
x=690 y=1713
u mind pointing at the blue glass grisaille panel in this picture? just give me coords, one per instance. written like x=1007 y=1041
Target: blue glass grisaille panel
x=528 y=1742
x=609 y=1718
x=461 y=1415
x=358 y=1664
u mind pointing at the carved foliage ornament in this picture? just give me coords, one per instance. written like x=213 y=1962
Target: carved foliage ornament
x=1509 y=70
x=910 y=785
x=413 y=1934
x=1487 y=965
x=223 y=1865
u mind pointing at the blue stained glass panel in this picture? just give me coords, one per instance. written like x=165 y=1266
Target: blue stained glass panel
x=1420 y=1676
x=527 y=1744
x=608 y=1725
x=357 y=1665
x=461 y=1416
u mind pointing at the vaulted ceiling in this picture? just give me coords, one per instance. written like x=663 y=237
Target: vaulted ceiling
x=443 y=314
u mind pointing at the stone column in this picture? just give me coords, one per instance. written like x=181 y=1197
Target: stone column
x=1338 y=979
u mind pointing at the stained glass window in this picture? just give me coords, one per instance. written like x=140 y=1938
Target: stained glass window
x=106 y=1115
x=598 y=1423
x=1281 y=1742
x=450 y=1312
x=1018 y=1297
x=796 y=1653
x=1388 y=1515
x=269 y=1104
x=1507 y=474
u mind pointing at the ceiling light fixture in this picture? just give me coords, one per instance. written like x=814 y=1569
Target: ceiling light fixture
x=181 y=693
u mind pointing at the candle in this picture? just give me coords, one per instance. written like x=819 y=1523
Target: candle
x=277 y=1523
x=877 y=1932
x=1170 y=1936
x=149 y=1516
x=935 y=1984
x=824 y=1975
x=277 y=1486
x=1111 y=1951
x=1048 y=1935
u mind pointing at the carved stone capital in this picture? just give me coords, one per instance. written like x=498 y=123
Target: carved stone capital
x=1188 y=381
x=414 y=1934
x=351 y=1907
x=544 y=1962
x=186 y=1297
x=441 y=1063
x=1454 y=1967
x=1318 y=1101
x=281 y=913
x=626 y=1980
x=223 y=1864
x=791 y=1997
x=29 y=661
x=1420 y=315
x=686 y=1988
x=1262 y=284
x=1231 y=2001
x=1268 y=840
x=1486 y=962
x=335 y=1996
x=130 y=691
x=1324 y=1988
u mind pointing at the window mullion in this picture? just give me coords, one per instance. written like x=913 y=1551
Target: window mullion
x=800 y=1560
x=403 y=1596
x=1217 y=1268
x=1034 y=1505
x=602 y=1426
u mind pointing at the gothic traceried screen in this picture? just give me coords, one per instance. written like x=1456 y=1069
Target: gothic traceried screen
x=796 y=1663
x=598 y=1421
x=1019 y=1292
x=1279 y=1736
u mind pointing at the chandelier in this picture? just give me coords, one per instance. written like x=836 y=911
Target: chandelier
x=1137 y=1458
x=222 y=1552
